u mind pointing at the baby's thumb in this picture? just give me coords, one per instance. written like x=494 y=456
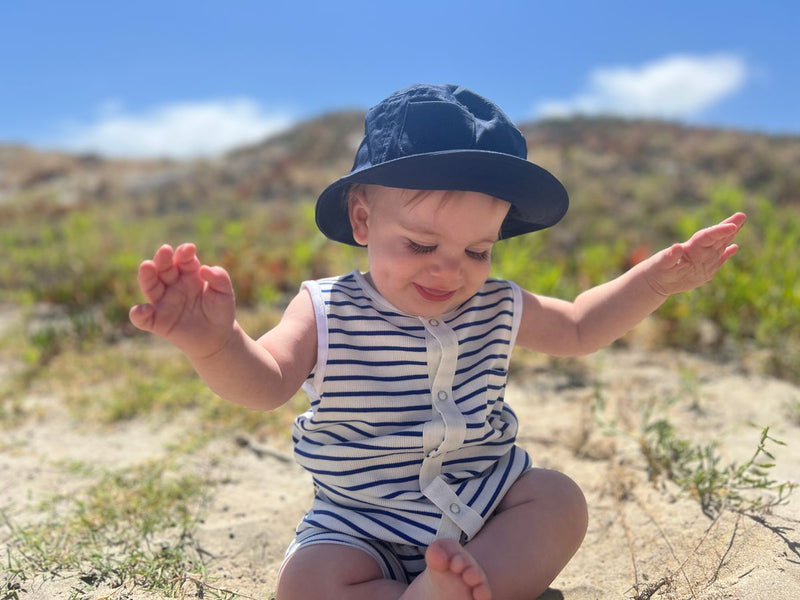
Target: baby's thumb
x=142 y=316
x=218 y=279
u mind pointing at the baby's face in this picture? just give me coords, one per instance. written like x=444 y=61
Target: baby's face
x=428 y=251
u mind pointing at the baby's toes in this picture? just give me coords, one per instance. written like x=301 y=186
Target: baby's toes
x=463 y=564
x=473 y=576
x=437 y=556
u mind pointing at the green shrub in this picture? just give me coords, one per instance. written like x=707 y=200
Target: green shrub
x=85 y=260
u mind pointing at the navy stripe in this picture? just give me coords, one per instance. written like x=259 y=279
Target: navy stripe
x=351 y=427
x=477 y=308
x=344 y=443
x=502 y=481
x=482 y=335
x=494 y=317
x=368 y=318
x=365 y=307
x=381 y=467
x=395 y=424
x=373 y=409
x=394 y=530
x=478 y=392
x=481 y=361
x=483 y=373
x=339 y=518
x=482 y=348
x=364 y=486
x=418 y=495
x=374 y=348
x=409 y=520
x=373 y=378
x=371 y=333
x=338 y=491
x=377 y=363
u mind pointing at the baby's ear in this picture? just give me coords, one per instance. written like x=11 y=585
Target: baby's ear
x=358 y=210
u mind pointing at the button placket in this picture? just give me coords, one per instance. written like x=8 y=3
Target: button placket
x=443 y=354
x=444 y=343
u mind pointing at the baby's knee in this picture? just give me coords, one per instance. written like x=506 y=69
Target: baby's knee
x=335 y=568
x=567 y=506
x=556 y=492
x=574 y=502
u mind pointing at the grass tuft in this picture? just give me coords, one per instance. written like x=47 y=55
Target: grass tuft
x=699 y=470
x=132 y=527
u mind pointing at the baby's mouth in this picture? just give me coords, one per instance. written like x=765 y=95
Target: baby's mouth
x=434 y=295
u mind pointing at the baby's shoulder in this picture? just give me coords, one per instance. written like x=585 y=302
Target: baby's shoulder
x=336 y=289
x=496 y=290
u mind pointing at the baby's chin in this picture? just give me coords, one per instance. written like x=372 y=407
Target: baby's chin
x=417 y=301
x=426 y=309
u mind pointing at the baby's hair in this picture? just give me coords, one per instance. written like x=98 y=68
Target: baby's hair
x=409 y=197
x=353 y=191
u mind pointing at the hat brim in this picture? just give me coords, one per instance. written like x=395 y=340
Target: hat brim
x=538 y=200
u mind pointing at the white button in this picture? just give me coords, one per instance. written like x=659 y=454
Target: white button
x=433 y=323
x=455 y=508
x=442 y=395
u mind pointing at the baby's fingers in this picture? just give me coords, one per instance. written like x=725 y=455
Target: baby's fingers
x=218 y=297
x=185 y=259
x=171 y=264
x=737 y=219
x=149 y=281
x=218 y=279
x=142 y=316
x=714 y=237
x=729 y=251
x=722 y=234
x=163 y=260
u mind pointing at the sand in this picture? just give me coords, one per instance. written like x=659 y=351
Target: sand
x=646 y=539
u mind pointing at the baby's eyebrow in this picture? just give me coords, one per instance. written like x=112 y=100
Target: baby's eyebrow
x=422 y=229
x=418 y=227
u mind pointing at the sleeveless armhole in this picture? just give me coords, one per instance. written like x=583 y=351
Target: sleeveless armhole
x=517 y=318
x=321 y=318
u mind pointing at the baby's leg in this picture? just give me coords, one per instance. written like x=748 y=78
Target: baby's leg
x=326 y=571
x=534 y=532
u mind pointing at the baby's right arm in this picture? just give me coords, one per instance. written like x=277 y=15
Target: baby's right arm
x=193 y=306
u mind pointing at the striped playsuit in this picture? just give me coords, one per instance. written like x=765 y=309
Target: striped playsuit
x=407 y=438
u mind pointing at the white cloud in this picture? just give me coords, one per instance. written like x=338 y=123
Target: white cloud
x=677 y=86
x=178 y=130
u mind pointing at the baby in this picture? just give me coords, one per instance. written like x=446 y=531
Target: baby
x=420 y=489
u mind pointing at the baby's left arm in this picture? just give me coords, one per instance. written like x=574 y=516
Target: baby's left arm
x=604 y=313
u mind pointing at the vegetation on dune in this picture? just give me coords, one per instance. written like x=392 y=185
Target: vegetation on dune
x=74 y=229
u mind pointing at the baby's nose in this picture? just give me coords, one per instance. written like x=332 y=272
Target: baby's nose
x=447 y=265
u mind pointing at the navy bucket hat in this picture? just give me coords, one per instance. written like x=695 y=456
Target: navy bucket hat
x=445 y=137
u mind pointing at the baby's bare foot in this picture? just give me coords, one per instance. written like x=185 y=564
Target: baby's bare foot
x=451 y=574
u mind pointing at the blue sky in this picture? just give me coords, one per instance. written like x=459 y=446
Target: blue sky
x=180 y=78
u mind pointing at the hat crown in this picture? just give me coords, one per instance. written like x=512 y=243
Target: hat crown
x=446 y=137
x=435 y=118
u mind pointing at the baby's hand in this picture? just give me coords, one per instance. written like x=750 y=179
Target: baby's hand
x=189 y=304
x=685 y=266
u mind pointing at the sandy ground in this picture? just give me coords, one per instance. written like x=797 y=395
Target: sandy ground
x=644 y=540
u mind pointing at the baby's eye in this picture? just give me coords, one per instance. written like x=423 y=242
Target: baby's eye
x=420 y=248
x=482 y=256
